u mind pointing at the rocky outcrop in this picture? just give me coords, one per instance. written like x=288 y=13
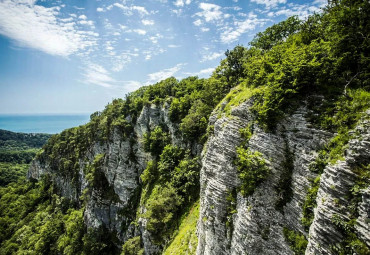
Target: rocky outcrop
x=335 y=194
x=256 y=225
x=114 y=204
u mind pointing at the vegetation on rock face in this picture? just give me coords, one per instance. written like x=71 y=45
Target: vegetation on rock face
x=170 y=186
x=155 y=141
x=252 y=170
x=133 y=246
x=34 y=219
x=322 y=61
x=351 y=244
x=297 y=241
x=310 y=203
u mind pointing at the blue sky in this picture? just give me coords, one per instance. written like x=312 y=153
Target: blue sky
x=75 y=56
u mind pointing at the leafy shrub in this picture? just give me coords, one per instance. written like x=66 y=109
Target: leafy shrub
x=252 y=170
x=185 y=178
x=149 y=174
x=169 y=159
x=156 y=140
x=162 y=209
x=296 y=240
x=133 y=247
x=310 y=203
x=194 y=125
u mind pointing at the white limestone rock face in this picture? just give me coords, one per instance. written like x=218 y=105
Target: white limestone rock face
x=334 y=194
x=256 y=227
x=114 y=204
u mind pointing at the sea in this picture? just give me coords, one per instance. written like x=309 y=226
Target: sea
x=42 y=123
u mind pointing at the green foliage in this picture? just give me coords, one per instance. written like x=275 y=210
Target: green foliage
x=16 y=152
x=156 y=140
x=170 y=186
x=162 y=209
x=231 y=208
x=236 y=96
x=347 y=112
x=33 y=220
x=70 y=242
x=185 y=241
x=252 y=170
x=16 y=201
x=133 y=246
x=100 y=241
x=310 y=203
x=150 y=173
x=20 y=156
x=290 y=62
x=169 y=159
x=185 y=178
x=11 y=141
x=246 y=133
x=296 y=240
x=195 y=123
x=231 y=68
x=11 y=172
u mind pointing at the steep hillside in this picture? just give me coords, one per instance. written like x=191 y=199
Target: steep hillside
x=16 y=152
x=270 y=155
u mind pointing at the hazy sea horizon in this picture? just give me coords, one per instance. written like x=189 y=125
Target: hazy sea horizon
x=41 y=123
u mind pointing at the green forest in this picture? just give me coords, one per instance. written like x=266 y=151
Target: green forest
x=16 y=152
x=323 y=60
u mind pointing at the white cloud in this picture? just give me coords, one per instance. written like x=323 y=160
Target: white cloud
x=128 y=10
x=203 y=73
x=87 y=22
x=163 y=74
x=40 y=28
x=82 y=17
x=154 y=39
x=120 y=61
x=181 y=3
x=147 y=22
x=132 y=85
x=140 y=9
x=232 y=34
x=198 y=22
x=269 y=3
x=210 y=12
x=173 y=46
x=98 y=75
x=139 y=31
x=204 y=29
x=99 y=9
x=301 y=10
x=212 y=56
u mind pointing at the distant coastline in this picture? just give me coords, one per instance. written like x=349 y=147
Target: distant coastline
x=41 y=123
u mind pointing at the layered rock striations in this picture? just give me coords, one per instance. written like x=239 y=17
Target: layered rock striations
x=230 y=223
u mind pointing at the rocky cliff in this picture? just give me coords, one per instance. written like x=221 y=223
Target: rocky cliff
x=271 y=153
x=258 y=223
